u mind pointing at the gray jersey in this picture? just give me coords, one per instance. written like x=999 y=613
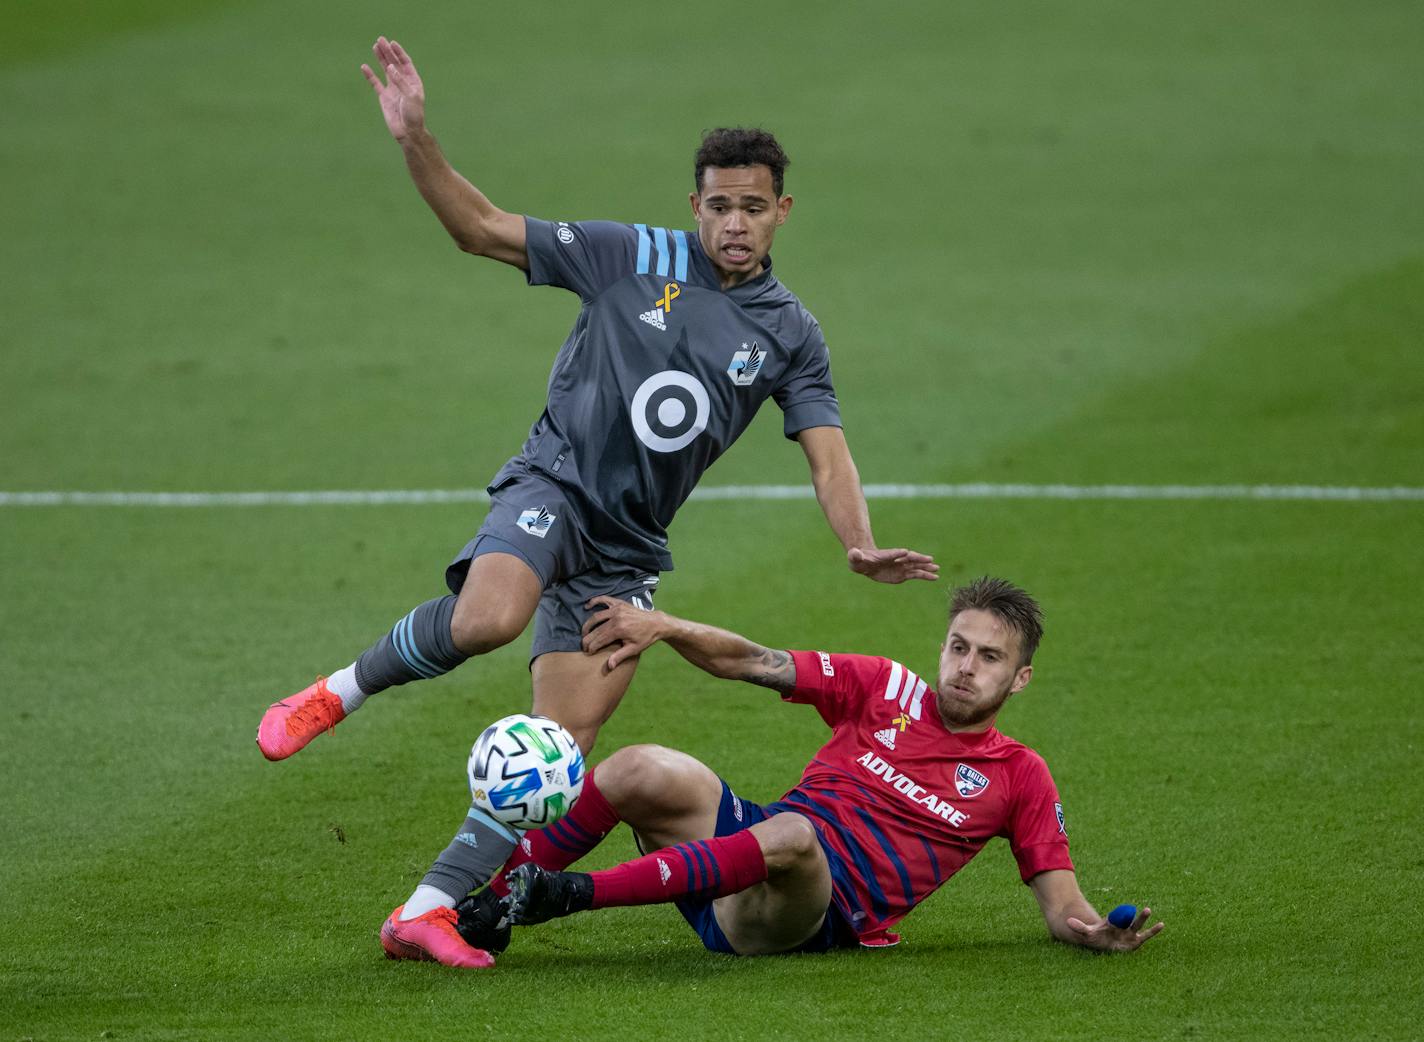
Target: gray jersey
x=661 y=373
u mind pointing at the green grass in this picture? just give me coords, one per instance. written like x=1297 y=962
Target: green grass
x=1100 y=243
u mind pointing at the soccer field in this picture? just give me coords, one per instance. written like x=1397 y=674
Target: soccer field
x=1093 y=244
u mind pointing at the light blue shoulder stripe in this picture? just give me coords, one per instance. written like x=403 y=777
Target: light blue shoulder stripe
x=645 y=246
x=680 y=272
x=660 y=235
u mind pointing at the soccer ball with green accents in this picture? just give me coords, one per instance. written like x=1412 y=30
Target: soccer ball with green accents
x=525 y=771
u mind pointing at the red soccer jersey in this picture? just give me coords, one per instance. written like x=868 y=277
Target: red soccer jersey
x=903 y=802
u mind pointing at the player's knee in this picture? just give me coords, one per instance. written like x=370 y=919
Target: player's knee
x=788 y=842
x=479 y=627
x=632 y=768
x=645 y=775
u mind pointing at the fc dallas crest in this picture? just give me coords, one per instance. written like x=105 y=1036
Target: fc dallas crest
x=969 y=782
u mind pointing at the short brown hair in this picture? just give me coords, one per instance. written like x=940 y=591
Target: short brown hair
x=741 y=146
x=1009 y=604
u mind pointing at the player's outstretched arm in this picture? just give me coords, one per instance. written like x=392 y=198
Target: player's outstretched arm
x=842 y=500
x=476 y=224
x=1072 y=919
x=719 y=652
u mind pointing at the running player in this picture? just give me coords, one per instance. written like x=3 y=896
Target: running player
x=680 y=340
x=913 y=782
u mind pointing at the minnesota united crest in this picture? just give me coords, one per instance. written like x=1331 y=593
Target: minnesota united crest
x=536 y=521
x=746 y=363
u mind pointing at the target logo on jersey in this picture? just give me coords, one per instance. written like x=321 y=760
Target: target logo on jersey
x=670 y=409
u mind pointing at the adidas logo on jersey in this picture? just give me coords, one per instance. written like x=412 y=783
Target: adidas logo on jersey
x=886 y=737
x=662 y=306
x=664 y=872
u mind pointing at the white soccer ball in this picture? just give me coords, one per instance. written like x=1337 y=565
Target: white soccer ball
x=525 y=771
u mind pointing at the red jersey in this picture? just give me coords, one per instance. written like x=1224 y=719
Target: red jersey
x=902 y=802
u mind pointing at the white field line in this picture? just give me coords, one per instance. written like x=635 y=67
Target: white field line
x=376 y=497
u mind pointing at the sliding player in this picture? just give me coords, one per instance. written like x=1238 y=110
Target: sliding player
x=912 y=784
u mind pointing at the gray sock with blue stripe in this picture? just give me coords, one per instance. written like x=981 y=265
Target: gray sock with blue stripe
x=417 y=648
x=477 y=852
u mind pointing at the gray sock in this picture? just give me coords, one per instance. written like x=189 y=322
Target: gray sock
x=417 y=648
x=477 y=852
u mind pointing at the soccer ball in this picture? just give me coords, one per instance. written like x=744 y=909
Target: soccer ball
x=525 y=771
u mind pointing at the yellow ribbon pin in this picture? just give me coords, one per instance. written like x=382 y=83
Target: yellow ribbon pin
x=670 y=293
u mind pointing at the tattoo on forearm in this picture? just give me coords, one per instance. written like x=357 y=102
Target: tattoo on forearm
x=774 y=669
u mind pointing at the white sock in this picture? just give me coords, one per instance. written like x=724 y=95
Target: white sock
x=343 y=685
x=423 y=900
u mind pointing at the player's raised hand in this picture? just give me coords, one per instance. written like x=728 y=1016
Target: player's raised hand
x=892 y=566
x=1105 y=937
x=634 y=630
x=402 y=96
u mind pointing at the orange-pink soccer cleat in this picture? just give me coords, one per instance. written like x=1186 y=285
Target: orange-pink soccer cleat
x=290 y=724
x=431 y=937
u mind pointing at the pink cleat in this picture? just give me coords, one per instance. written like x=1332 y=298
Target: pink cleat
x=290 y=724
x=431 y=937
x=881 y=938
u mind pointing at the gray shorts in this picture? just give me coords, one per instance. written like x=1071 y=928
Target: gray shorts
x=531 y=518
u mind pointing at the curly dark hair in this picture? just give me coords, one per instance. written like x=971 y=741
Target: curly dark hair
x=741 y=146
x=1009 y=604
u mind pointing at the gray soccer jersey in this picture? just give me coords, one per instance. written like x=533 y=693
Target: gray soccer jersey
x=661 y=373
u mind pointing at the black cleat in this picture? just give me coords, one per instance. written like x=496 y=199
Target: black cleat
x=537 y=895
x=483 y=921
